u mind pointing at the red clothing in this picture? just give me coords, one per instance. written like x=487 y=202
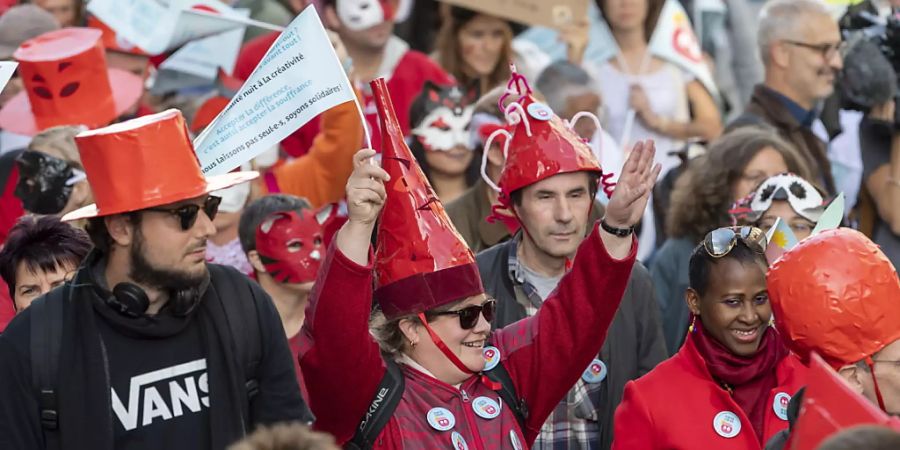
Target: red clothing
x=10 y=206
x=7 y=309
x=405 y=84
x=294 y=344
x=544 y=355
x=300 y=141
x=676 y=405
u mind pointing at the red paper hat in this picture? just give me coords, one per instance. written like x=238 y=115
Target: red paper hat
x=542 y=146
x=112 y=41
x=829 y=406
x=142 y=163
x=67 y=82
x=836 y=293
x=421 y=262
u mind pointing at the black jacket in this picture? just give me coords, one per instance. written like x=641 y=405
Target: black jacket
x=111 y=366
x=634 y=344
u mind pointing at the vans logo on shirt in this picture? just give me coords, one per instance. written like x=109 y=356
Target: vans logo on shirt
x=186 y=391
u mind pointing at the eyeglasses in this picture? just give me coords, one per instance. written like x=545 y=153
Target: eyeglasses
x=719 y=243
x=826 y=50
x=188 y=213
x=468 y=316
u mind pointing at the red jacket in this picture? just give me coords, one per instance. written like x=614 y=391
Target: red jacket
x=544 y=355
x=679 y=406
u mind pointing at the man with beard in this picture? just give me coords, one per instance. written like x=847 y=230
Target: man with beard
x=800 y=46
x=158 y=348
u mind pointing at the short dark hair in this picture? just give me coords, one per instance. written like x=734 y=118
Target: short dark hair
x=702 y=262
x=593 y=186
x=99 y=234
x=263 y=207
x=43 y=243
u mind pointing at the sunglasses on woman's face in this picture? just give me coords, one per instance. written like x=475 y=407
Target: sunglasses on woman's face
x=468 y=316
x=187 y=214
x=719 y=243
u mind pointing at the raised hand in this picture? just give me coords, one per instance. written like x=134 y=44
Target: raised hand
x=627 y=204
x=365 y=198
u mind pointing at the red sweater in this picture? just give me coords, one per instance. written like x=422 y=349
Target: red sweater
x=544 y=355
x=675 y=406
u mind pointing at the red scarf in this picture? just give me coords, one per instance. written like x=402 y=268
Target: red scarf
x=749 y=379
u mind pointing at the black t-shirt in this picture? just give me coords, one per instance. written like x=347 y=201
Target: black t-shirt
x=159 y=390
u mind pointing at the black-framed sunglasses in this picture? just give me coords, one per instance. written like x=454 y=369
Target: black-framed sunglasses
x=187 y=214
x=468 y=316
x=719 y=242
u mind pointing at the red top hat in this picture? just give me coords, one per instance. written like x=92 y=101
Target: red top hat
x=836 y=293
x=829 y=406
x=67 y=83
x=142 y=163
x=421 y=262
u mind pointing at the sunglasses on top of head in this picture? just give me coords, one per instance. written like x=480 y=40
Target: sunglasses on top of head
x=187 y=214
x=468 y=316
x=719 y=243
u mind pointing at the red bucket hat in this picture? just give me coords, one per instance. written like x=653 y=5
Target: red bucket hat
x=421 y=261
x=67 y=82
x=540 y=145
x=142 y=163
x=837 y=294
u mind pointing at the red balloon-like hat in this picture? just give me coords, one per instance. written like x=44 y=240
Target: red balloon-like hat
x=421 y=261
x=837 y=294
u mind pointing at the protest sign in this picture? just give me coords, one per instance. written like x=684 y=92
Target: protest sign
x=204 y=57
x=6 y=72
x=556 y=14
x=298 y=78
x=157 y=27
x=674 y=41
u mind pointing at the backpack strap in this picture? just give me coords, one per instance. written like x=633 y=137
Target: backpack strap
x=507 y=393
x=46 y=317
x=243 y=321
x=382 y=408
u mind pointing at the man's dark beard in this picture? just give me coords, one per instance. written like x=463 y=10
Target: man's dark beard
x=144 y=273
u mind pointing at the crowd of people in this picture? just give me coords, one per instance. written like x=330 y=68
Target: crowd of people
x=620 y=232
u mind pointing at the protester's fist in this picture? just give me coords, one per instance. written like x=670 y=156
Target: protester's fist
x=365 y=188
x=629 y=199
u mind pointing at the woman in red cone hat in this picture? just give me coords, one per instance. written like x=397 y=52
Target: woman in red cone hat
x=432 y=316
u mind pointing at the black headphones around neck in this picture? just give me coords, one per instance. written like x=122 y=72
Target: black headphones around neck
x=130 y=300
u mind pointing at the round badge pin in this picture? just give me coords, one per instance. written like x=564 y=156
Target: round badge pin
x=459 y=443
x=727 y=424
x=491 y=357
x=595 y=373
x=441 y=419
x=514 y=438
x=540 y=111
x=486 y=408
x=780 y=405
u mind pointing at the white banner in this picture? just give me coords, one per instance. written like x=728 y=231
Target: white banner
x=299 y=78
x=204 y=57
x=6 y=72
x=674 y=41
x=157 y=27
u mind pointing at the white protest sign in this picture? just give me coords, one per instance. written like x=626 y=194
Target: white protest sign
x=6 y=72
x=157 y=27
x=204 y=57
x=674 y=40
x=299 y=78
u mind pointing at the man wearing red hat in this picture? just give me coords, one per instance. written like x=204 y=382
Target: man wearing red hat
x=548 y=184
x=837 y=294
x=159 y=348
x=429 y=343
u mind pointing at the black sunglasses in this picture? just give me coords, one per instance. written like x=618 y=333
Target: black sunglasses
x=719 y=242
x=188 y=213
x=468 y=316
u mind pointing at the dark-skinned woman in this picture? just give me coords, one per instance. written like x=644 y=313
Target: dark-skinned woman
x=728 y=387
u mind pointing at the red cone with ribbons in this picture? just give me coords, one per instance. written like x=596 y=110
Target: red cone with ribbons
x=421 y=261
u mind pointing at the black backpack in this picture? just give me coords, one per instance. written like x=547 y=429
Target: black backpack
x=46 y=340
x=389 y=392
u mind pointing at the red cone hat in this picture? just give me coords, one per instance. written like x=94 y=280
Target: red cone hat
x=542 y=146
x=836 y=293
x=421 y=261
